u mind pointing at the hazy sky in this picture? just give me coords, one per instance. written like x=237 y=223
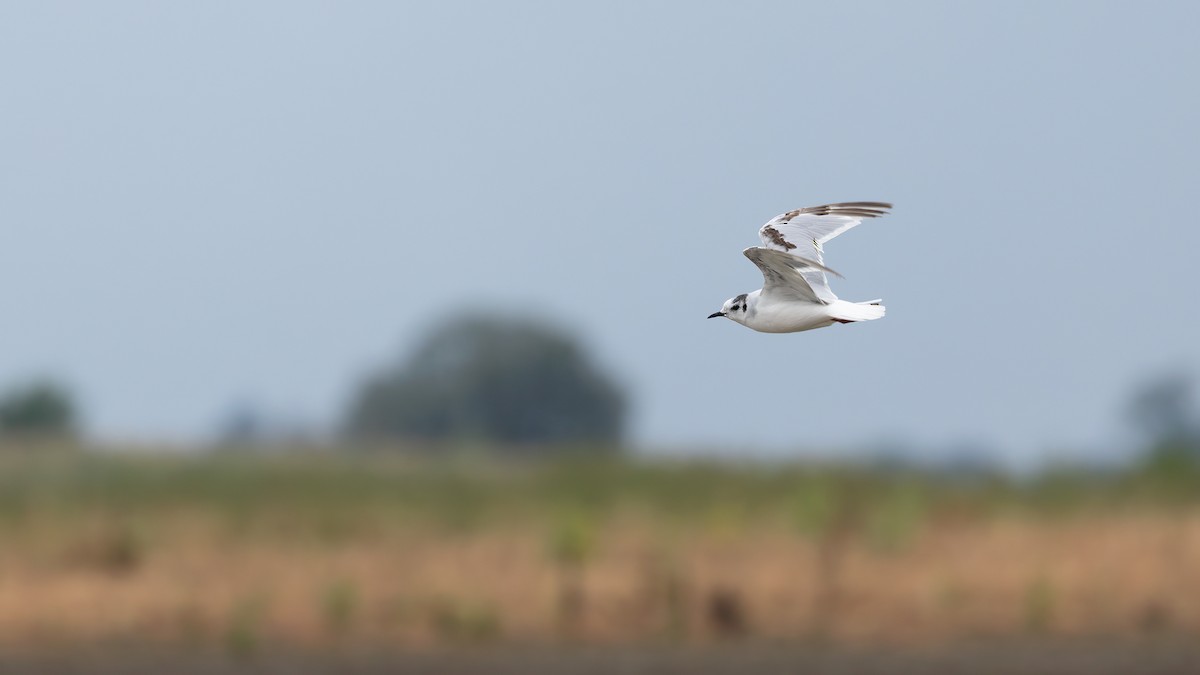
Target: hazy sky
x=206 y=203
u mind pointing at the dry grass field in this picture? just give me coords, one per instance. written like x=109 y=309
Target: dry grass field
x=250 y=556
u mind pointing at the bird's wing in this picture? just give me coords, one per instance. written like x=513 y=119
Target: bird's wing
x=783 y=274
x=803 y=233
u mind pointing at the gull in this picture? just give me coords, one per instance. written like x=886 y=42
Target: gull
x=795 y=295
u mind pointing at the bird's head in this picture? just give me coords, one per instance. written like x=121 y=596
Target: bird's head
x=734 y=308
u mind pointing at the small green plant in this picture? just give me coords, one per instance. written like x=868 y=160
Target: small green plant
x=665 y=588
x=814 y=510
x=571 y=541
x=571 y=544
x=1039 y=605
x=339 y=603
x=828 y=512
x=243 y=631
x=895 y=520
x=460 y=621
x=674 y=596
x=726 y=519
x=950 y=595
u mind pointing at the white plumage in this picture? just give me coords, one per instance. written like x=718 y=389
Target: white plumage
x=795 y=295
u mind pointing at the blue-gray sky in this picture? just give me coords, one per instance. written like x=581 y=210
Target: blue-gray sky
x=206 y=203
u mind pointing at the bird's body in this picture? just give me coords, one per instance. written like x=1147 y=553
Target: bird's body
x=771 y=315
x=795 y=295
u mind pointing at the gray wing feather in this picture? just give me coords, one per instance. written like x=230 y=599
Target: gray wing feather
x=802 y=232
x=782 y=273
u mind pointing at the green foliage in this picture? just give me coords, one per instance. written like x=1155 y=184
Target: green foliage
x=950 y=595
x=243 y=631
x=1162 y=408
x=816 y=507
x=1039 y=605
x=570 y=545
x=462 y=621
x=1172 y=457
x=508 y=381
x=895 y=518
x=666 y=586
x=571 y=541
x=339 y=602
x=1163 y=411
x=38 y=409
x=337 y=498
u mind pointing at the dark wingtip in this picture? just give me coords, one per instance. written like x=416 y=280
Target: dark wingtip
x=857 y=209
x=874 y=205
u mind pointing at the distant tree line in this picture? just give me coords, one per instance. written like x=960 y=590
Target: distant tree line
x=1163 y=412
x=514 y=385
x=39 y=409
x=518 y=384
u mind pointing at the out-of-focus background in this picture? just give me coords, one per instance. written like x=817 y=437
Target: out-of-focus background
x=371 y=337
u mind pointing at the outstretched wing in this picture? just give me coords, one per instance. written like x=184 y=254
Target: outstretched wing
x=783 y=274
x=803 y=232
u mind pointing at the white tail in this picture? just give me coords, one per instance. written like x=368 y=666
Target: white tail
x=844 y=311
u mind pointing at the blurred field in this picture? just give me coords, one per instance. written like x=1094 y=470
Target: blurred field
x=244 y=555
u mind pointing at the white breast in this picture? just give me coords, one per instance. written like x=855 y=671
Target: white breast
x=787 y=317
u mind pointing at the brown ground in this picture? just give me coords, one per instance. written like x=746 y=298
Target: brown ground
x=188 y=583
x=1029 y=657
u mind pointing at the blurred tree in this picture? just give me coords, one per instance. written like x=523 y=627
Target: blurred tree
x=509 y=381
x=248 y=426
x=39 y=408
x=243 y=425
x=1163 y=411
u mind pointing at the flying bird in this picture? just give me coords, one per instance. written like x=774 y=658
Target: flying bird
x=795 y=295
